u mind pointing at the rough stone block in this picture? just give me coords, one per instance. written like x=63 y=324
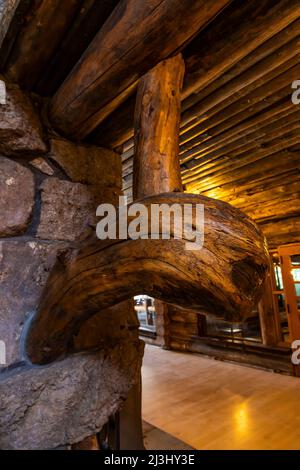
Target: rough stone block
x=16 y=197
x=24 y=269
x=87 y=164
x=68 y=210
x=20 y=127
x=63 y=403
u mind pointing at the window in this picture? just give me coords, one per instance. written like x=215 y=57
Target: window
x=144 y=306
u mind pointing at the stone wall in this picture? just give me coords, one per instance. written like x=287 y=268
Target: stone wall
x=7 y=9
x=49 y=191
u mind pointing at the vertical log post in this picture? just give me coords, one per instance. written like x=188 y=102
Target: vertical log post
x=156 y=123
x=269 y=315
x=156 y=167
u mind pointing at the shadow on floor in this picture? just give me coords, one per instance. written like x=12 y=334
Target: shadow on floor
x=156 y=439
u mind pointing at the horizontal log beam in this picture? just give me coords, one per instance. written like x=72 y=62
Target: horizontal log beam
x=135 y=38
x=256 y=26
x=12 y=19
x=91 y=17
x=40 y=35
x=223 y=278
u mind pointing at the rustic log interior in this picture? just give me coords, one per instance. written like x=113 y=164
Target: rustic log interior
x=166 y=102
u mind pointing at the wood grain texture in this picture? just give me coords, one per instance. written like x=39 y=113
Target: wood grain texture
x=86 y=24
x=256 y=29
x=224 y=277
x=134 y=39
x=43 y=29
x=156 y=135
x=157 y=115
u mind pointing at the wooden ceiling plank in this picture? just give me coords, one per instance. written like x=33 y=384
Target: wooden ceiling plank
x=229 y=168
x=238 y=88
x=282 y=191
x=280 y=209
x=288 y=114
x=282 y=231
x=258 y=94
x=258 y=54
x=269 y=164
x=216 y=125
x=256 y=22
x=272 y=114
x=255 y=140
x=275 y=209
x=257 y=184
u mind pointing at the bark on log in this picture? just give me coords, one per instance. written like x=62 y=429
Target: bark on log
x=258 y=27
x=135 y=38
x=223 y=278
x=156 y=131
x=92 y=16
x=157 y=115
x=40 y=36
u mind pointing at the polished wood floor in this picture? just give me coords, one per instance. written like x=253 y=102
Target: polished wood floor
x=216 y=405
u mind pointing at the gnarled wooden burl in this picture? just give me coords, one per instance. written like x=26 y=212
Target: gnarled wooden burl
x=224 y=277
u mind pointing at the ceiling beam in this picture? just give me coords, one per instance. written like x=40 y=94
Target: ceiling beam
x=134 y=39
x=40 y=35
x=256 y=29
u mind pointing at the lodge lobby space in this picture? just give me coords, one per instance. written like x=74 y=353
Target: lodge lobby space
x=213 y=405
x=149 y=224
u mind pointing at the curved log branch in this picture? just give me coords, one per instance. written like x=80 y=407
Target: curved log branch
x=223 y=278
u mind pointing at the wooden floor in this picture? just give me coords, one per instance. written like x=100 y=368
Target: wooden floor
x=216 y=405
